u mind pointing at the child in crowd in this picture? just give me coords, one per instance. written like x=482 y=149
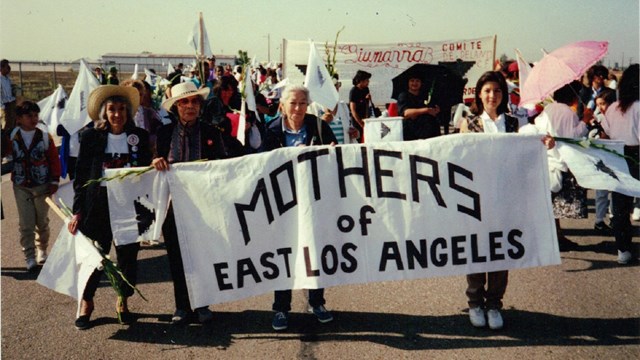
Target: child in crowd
x=35 y=176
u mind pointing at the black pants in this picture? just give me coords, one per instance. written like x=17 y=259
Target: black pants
x=97 y=227
x=622 y=205
x=282 y=299
x=170 y=233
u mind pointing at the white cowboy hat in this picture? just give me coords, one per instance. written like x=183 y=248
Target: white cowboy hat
x=184 y=90
x=102 y=93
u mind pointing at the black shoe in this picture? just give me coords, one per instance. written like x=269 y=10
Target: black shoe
x=602 y=226
x=125 y=318
x=83 y=322
x=566 y=245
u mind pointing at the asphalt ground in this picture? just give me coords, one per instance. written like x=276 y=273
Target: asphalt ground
x=586 y=308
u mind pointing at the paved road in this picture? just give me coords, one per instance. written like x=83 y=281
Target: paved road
x=586 y=308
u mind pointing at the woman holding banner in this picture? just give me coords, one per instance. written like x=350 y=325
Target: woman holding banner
x=485 y=290
x=297 y=128
x=187 y=139
x=115 y=142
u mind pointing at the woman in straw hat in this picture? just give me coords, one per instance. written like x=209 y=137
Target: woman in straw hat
x=187 y=139
x=115 y=142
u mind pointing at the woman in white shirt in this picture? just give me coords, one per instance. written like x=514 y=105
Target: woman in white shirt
x=490 y=109
x=622 y=122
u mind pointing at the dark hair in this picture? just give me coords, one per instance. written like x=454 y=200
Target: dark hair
x=628 y=88
x=27 y=107
x=568 y=94
x=607 y=95
x=491 y=76
x=360 y=76
x=103 y=122
x=4 y=62
x=597 y=70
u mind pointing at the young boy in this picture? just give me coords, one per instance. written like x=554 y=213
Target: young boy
x=35 y=176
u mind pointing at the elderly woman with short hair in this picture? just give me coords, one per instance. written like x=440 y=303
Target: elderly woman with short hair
x=115 y=142
x=297 y=128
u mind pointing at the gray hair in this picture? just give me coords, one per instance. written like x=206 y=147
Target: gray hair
x=290 y=89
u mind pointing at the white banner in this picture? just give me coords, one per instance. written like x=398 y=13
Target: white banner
x=383 y=129
x=308 y=217
x=470 y=58
x=137 y=205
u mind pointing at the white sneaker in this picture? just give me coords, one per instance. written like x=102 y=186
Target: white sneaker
x=636 y=214
x=624 y=257
x=476 y=316
x=495 y=319
x=31 y=264
x=41 y=256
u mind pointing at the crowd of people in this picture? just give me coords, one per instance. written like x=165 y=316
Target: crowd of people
x=202 y=123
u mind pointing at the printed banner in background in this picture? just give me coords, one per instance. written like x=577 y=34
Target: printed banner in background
x=309 y=217
x=383 y=129
x=470 y=58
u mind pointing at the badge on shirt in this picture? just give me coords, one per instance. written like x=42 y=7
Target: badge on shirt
x=133 y=139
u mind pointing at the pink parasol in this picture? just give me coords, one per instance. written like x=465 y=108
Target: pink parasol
x=559 y=68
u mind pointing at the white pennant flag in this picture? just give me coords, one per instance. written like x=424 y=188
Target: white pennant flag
x=150 y=78
x=599 y=169
x=52 y=108
x=318 y=80
x=75 y=115
x=524 y=69
x=383 y=129
x=70 y=263
x=135 y=75
x=170 y=69
x=137 y=205
x=199 y=40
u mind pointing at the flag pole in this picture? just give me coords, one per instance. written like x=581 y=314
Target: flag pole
x=203 y=80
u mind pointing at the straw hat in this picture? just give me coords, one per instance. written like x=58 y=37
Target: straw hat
x=184 y=90
x=102 y=93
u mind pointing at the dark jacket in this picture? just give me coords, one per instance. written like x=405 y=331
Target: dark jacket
x=216 y=143
x=90 y=161
x=275 y=138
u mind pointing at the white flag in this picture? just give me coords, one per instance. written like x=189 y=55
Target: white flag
x=72 y=260
x=599 y=169
x=318 y=80
x=199 y=40
x=248 y=90
x=150 y=78
x=523 y=69
x=383 y=129
x=135 y=75
x=75 y=115
x=170 y=70
x=52 y=108
x=137 y=205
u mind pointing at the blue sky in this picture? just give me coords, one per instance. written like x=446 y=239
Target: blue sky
x=64 y=30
